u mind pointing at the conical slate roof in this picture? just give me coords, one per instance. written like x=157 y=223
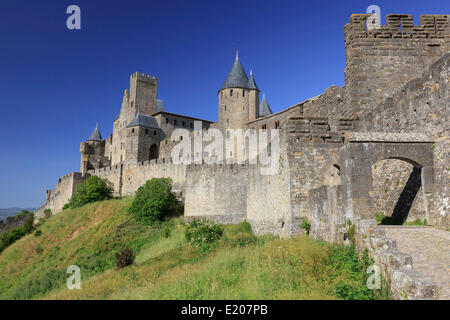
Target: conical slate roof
x=264 y=108
x=251 y=82
x=143 y=120
x=95 y=136
x=236 y=78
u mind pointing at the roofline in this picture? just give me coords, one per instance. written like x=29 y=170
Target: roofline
x=180 y=115
x=285 y=110
x=247 y=88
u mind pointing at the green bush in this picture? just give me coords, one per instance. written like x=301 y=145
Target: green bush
x=345 y=259
x=47 y=213
x=93 y=189
x=154 y=201
x=305 y=224
x=9 y=237
x=28 y=225
x=124 y=258
x=37 y=233
x=201 y=233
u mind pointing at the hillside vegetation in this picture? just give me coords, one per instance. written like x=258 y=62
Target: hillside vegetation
x=237 y=266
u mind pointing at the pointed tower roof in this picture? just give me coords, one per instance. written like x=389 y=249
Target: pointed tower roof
x=236 y=78
x=251 y=82
x=264 y=108
x=95 y=136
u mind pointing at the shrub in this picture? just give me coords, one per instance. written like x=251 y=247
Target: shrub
x=350 y=234
x=28 y=225
x=37 y=233
x=93 y=189
x=201 y=233
x=9 y=237
x=47 y=213
x=305 y=225
x=124 y=258
x=154 y=201
x=166 y=231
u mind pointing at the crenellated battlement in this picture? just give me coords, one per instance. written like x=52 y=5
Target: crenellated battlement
x=144 y=77
x=399 y=26
x=380 y=61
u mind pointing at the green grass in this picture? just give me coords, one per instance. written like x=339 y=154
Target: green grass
x=238 y=266
x=386 y=220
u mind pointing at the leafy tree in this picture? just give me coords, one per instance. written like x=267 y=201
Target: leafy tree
x=93 y=189
x=154 y=201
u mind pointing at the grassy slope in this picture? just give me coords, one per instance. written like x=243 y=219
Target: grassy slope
x=241 y=266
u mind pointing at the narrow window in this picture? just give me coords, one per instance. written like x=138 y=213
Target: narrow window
x=146 y=131
x=132 y=130
x=175 y=122
x=231 y=92
x=243 y=93
x=154 y=133
x=225 y=108
x=184 y=124
x=167 y=120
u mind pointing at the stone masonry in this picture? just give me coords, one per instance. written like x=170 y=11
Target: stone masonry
x=379 y=144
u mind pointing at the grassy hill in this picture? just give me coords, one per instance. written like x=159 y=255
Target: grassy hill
x=239 y=266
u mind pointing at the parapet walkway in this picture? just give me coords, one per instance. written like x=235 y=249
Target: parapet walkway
x=430 y=252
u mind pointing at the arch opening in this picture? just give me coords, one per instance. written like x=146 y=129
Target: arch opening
x=395 y=193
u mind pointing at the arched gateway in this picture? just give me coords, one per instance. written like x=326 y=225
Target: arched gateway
x=362 y=150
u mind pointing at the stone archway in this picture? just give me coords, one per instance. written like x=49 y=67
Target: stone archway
x=396 y=192
x=362 y=150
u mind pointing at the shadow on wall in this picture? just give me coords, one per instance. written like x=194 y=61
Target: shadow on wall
x=406 y=199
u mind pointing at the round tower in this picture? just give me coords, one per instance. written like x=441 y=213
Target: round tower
x=235 y=106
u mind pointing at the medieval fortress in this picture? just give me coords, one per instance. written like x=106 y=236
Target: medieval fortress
x=379 y=144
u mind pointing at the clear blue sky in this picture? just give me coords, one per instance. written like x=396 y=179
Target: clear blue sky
x=55 y=84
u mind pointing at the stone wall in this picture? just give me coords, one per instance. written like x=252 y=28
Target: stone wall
x=396 y=190
x=58 y=197
x=12 y=222
x=381 y=61
x=312 y=154
x=216 y=192
x=395 y=266
x=422 y=106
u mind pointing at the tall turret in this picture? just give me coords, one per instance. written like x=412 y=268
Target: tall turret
x=238 y=98
x=253 y=98
x=142 y=94
x=93 y=152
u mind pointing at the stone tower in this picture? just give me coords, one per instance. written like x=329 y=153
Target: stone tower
x=238 y=98
x=142 y=139
x=93 y=152
x=142 y=94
